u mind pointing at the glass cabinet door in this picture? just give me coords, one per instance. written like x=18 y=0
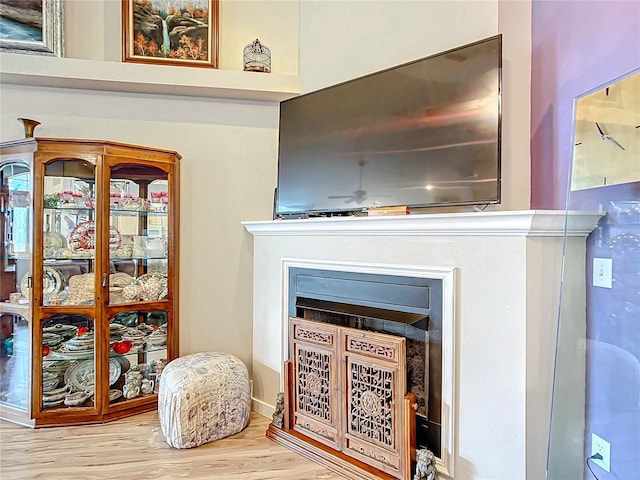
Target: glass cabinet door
x=139 y=234
x=15 y=361
x=16 y=190
x=66 y=328
x=139 y=263
x=69 y=233
x=16 y=228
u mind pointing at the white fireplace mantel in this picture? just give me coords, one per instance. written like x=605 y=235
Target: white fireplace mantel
x=507 y=273
x=525 y=222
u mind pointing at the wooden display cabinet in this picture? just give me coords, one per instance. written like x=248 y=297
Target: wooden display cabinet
x=89 y=278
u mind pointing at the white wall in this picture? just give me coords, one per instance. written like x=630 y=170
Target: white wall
x=273 y=22
x=341 y=40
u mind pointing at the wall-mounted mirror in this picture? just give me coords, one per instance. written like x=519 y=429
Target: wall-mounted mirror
x=607 y=135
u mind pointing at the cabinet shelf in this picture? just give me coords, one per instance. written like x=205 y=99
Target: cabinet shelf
x=114 y=211
x=140 y=350
x=83 y=310
x=54 y=260
x=73 y=209
x=56 y=357
x=140 y=307
x=137 y=259
x=63 y=261
x=136 y=213
x=22 y=309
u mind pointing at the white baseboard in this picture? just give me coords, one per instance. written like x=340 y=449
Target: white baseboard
x=262 y=408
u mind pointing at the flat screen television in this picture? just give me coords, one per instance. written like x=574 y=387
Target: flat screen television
x=423 y=134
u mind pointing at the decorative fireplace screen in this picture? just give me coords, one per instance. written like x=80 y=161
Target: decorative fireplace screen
x=358 y=342
x=403 y=306
x=347 y=392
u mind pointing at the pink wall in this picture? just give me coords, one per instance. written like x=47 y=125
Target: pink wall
x=576 y=46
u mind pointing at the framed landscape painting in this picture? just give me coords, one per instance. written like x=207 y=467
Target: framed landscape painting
x=172 y=32
x=32 y=26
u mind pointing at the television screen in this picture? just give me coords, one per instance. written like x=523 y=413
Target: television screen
x=422 y=134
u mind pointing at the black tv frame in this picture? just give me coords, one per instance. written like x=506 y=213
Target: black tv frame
x=357 y=210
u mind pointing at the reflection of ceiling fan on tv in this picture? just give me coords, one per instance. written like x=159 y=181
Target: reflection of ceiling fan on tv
x=359 y=195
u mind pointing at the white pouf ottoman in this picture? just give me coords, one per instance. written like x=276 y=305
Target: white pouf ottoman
x=203 y=397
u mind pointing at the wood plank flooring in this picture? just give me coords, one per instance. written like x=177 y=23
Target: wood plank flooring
x=134 y=448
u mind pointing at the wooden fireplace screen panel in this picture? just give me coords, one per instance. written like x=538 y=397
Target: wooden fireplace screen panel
x=349 y=387
x=375 y=387
x=315 y=386
x=315 y=367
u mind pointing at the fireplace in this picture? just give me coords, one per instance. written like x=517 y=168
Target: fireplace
x=500 y=277
x=407 y=307
x=410 y=305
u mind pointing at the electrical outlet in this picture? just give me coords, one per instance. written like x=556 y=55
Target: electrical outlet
x=601 y=446
x=602 y=272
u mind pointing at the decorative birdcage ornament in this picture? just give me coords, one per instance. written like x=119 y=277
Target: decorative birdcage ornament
x=257 y=57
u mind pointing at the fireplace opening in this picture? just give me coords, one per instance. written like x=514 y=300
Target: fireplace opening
x=406 y=307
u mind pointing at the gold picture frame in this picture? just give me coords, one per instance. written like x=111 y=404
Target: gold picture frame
x=171 y=32
x=32 y=27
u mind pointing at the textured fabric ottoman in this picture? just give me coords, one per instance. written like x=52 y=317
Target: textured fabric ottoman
x=203 y=397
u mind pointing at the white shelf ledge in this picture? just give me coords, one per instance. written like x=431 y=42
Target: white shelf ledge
x=533 y=223
x=49 y=71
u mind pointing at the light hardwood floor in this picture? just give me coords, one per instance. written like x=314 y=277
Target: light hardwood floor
x=134 y=448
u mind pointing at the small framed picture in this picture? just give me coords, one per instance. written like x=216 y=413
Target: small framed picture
x=32 y=26
x=171 y=32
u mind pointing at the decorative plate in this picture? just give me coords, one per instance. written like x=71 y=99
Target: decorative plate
x=65 y=354
x=76 y=399
x=52 y=282
x=82 y=375
x=52 y=404
x=114 y=371
x=49 y=382
x=84 y=237
x=77 y=347
x=54 y=240
x=56 y=395
x=51 y=339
